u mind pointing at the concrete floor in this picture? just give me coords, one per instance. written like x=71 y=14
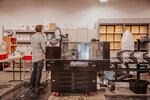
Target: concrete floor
x=7 y=85
x=7 y=76
x=120 y=93
x=121 y=88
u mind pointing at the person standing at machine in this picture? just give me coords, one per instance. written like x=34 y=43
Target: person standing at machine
x=38 y=41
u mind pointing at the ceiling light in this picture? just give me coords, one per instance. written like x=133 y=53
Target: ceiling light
x=103 y=1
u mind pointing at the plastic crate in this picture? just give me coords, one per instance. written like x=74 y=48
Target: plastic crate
x=3 y=56
x=27 y=58
x=138 y=86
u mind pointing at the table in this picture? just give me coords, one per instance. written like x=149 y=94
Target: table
x=13 y=58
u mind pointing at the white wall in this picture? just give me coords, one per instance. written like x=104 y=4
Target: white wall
x=70 y=13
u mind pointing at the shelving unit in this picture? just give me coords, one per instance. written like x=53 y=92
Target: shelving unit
x=22 y=43
x=11 y=43
x=138 y=31
x=23 y=37
x=113 y=33
x=28 y=33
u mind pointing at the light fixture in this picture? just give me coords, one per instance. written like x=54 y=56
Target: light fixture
x=103 y=1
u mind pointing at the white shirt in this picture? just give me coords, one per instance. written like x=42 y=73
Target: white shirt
x=38 y=46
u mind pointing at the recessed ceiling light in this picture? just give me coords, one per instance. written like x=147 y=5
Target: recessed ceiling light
x=103 y=1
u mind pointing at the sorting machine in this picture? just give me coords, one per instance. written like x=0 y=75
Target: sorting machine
x=75 y=71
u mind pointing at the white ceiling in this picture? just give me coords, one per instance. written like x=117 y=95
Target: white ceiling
x=91 y=1
x=120 y=1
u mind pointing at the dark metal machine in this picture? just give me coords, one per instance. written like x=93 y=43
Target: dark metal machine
x=76 y=70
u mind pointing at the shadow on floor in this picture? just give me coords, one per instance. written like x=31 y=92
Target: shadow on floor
x=27 y=93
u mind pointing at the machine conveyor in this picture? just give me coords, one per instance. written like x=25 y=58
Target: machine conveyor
x=133 y=58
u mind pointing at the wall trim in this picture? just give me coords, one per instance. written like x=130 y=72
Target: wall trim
x=124 y=21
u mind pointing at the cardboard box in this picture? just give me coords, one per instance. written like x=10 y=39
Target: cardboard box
x=46 y=27
x=110 y=29
x=143 y=29
x=22 y=27
x=52 y=26
x=111 y=45
x=135 y=29
x=135 y=37
x=110 y=38
x=32 y=27
x=102 y=37
x=102 y=29
x=118 y=29
x=117 y=37
x=128 y=28
x=117 y=45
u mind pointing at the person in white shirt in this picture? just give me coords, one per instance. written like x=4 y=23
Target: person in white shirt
x=38 y=46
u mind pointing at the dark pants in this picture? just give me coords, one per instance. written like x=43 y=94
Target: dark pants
x=36 y=73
